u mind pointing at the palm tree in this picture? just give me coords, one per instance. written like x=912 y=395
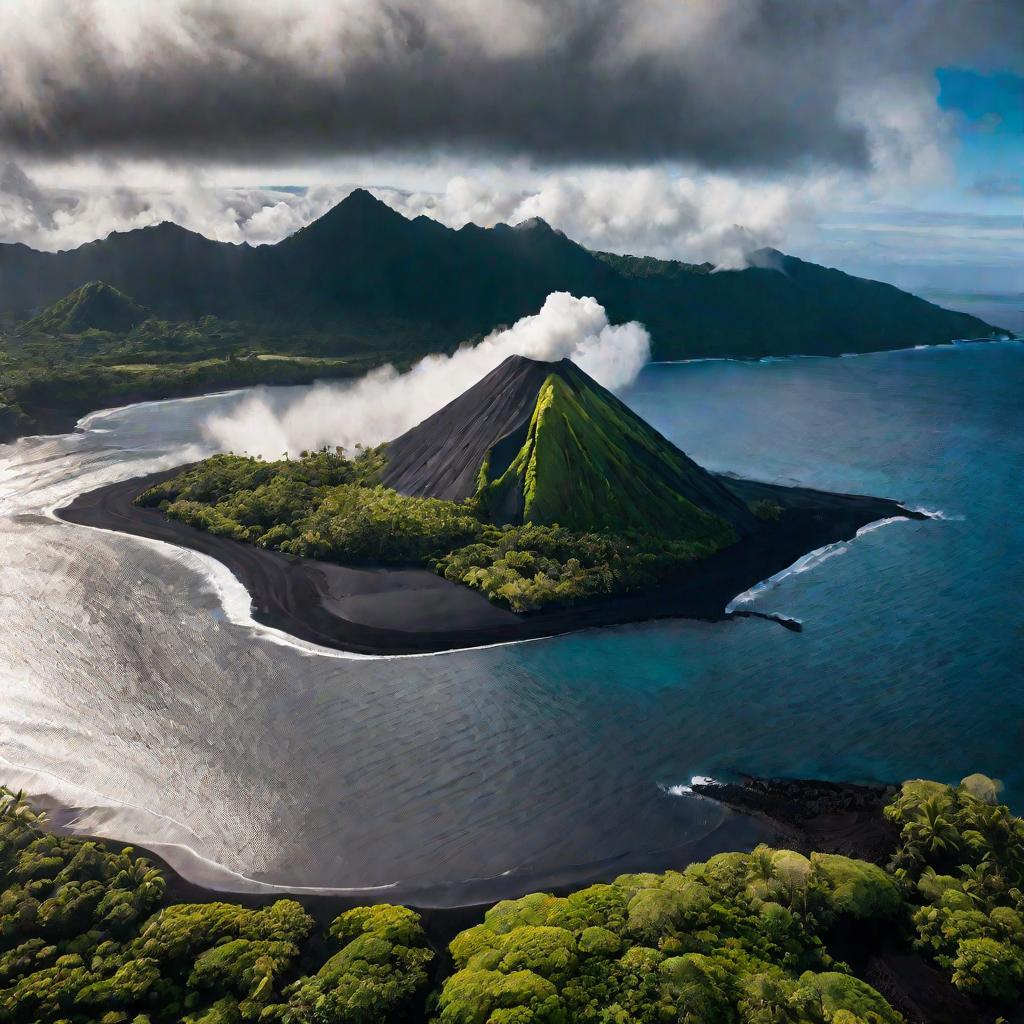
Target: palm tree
x=761 y=871
x=16 y=807
x=931 y=833
x=984 y=883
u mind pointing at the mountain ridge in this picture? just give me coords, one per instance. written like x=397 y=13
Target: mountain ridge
x=363 y=263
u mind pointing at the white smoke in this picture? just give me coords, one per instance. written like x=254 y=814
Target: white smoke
x=385 y=403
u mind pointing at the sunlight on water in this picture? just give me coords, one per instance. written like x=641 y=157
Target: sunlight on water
x=134 y=686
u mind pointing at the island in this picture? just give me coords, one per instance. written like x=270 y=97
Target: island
x=534 y=504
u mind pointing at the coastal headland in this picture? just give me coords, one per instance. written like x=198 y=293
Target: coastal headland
x=395 y=611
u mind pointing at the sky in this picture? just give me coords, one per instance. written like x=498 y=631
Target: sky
x=884 y=137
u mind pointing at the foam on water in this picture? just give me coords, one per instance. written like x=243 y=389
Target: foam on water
x=807 y=562
x=683 y=790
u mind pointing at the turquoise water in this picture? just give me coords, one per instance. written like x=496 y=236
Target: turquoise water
x=124 y=665
x=912 y=656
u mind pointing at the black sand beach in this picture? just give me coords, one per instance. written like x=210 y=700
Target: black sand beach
x=388 y=611
x=796 y=814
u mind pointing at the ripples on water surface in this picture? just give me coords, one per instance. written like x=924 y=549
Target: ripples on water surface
x=124 y=676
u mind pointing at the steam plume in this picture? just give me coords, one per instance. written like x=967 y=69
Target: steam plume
x=386 y=403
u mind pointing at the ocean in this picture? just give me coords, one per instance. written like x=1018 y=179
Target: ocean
x=136 y=687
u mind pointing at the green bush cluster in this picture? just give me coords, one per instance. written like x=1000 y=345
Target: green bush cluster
x=321 y=505
x=527 y=567
x=86 y=937
x=328 y=506
x=961 y=855
x=736 y=939
x=765 y=510
x=376 y=976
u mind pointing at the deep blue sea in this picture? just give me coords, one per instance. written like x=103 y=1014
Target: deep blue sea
x=135 y=685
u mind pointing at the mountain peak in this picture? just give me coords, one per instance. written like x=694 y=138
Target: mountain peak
x=359 y=211
x=95 y=305
x=361 y=204
x=521 y=362
x=361 y=198
x=536 y=224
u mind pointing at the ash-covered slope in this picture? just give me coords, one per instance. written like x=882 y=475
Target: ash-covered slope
x=441 y=457
x=545 y=443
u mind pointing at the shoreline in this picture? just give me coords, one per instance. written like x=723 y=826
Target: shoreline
x=387 y=611
x=61 y=420
x=798 y=814
x=786 y=813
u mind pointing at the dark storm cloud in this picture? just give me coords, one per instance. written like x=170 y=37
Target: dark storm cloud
x=731 y=83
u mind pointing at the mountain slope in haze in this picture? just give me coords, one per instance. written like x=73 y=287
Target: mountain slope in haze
x=544 y=443
x=366 y=268
x=94 y=306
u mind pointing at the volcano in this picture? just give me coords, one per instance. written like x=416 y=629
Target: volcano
x=543 y=442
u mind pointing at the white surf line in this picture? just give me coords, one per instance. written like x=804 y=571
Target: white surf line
x=219 y=877
x=815 y=558
x=939 y=514
x=683 y=790
x=99 y=801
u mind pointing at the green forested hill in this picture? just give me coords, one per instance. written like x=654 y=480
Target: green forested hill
x=94 y=306
x=363 y=285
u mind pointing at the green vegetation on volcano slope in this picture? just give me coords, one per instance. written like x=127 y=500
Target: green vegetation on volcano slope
x=89 y=936
x=327 y=506
x=588 y=462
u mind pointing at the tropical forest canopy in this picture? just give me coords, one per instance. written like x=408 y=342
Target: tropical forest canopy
x=326 y=505
x=88 y=935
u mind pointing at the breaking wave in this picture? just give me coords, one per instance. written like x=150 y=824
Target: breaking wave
x=684 y=790
x=809 y=561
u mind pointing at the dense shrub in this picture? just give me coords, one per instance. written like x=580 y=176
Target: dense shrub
x=84 y=938
x=766 y=510
x=962 y=856
x=706 y=946
x=526 y=567
x=327 y=506
x=375 y=977
x=87 y=936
